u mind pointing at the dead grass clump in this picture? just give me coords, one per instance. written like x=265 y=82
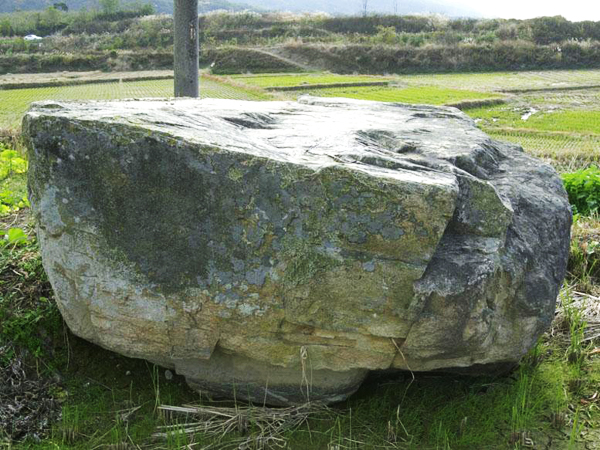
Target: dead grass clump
x=257 y=427
x=27 y=403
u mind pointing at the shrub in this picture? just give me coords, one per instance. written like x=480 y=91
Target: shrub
x=583 y=187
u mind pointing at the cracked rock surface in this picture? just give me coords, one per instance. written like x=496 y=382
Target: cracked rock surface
x=282 y=250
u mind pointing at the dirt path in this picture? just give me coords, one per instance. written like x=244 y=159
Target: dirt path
x=277 y=56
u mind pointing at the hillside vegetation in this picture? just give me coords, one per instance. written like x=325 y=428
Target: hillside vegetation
x=161 y=6
x=136 y=39
x=328 y=6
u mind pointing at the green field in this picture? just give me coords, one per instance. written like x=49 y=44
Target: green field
x=564 y=128
x=431 y=95
x=576 y=122
x=285 y=80
x=509 y=81
x=565 y=152
x=14 y=102
x=486 y=82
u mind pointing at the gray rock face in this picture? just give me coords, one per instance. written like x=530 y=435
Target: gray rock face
x=281 y=251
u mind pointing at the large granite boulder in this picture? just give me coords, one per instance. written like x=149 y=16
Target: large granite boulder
x=281 y=251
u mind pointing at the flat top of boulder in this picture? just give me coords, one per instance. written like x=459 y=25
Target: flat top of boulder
x=390 y=140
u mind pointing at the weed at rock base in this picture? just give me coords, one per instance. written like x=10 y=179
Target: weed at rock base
x=584 y=258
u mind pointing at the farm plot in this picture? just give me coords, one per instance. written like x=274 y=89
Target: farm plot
x=550 y=113
x=565 y=152
x=14 y=102
x=586 y=122
x=562 y=126
x=430 y=95
x=509 y=81
x=519 y=82
x=305 y=79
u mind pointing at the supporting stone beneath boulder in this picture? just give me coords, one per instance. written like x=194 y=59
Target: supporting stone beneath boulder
x=279 y=251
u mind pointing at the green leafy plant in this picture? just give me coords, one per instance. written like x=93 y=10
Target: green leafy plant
x=11 y=162
x=11 y=201
x=583 y=187
x=14 y=236
x=12 y=167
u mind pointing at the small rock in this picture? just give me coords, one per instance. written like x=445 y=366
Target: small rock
x=168 y=375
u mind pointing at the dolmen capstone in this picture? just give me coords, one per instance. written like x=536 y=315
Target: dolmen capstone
x=280 y=251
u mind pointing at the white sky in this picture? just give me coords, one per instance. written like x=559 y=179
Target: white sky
x=574 y=10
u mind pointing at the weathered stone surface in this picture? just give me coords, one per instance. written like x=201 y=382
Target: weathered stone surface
x=283 y=250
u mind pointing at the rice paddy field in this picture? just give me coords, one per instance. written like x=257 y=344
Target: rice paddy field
x=14 y=102
x=554 y=115
x=305 y=79
x=433 y=95
x=551 y=401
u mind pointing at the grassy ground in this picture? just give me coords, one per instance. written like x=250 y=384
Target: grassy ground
x=432 y=95
x=296 y=79
x=14 y=102
x=25 y=80
x=509 y=81
x=92 y=398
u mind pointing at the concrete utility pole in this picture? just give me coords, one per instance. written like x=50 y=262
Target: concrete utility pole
x=365 y=6
x=395 y=7
x=186 y=48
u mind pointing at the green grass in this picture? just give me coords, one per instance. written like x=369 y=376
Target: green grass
x=14 y=103
x=568 y=138
x=284 y=80
x=575 y=121
x=429 y=412
x=485 y=82
x=441 y=411
x=565 y=152
x=500 y=81
x=429 y=95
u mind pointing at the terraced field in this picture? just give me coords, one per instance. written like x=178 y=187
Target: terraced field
x=561 y=126
x=486 y=82
x=509 y=81
x=14 y=102
x=431 y=95
x=306 y=79
x=553 y=114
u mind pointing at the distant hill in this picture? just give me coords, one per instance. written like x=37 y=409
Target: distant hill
x=161 y=6
x=373 y=6
x=329 y=6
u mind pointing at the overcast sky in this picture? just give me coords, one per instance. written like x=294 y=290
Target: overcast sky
x=574 y=10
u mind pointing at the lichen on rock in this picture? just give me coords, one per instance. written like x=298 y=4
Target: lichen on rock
x=244 y=243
